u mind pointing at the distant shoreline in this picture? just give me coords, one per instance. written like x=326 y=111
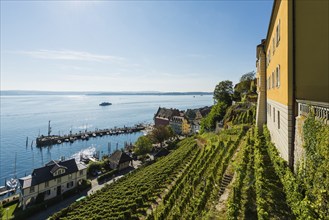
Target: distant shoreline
x=22 y=93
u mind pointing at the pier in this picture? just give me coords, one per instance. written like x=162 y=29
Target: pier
x=59 y=139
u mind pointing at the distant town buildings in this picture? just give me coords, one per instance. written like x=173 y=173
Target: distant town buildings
x=51 y=180
x=182 y=122
x=292 y=71
x=164 y=115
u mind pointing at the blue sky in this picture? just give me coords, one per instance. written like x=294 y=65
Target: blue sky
x=130 y=45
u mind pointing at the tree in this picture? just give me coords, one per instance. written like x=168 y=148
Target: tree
x=244 y=86
x=161 y=133
x=216 y=114
x=94 y=167
x=223 y=92
x=143 y=145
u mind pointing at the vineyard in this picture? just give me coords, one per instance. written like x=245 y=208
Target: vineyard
x=188 y=184
x=184 y=180
x=131 y=196
x=258 y=191
x=199 y=184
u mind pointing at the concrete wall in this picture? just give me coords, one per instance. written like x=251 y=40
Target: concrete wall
x=299 y=152
x=261 y=88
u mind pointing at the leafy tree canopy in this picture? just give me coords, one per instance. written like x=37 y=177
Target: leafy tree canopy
x=143 y=145
x=245 y=84
x=161 y=133
x=223 y=92
x=248 y=76
x=216 y=115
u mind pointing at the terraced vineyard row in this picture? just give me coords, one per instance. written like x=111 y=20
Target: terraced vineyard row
x=257 y=192
x=188 y=197
x=131 y=196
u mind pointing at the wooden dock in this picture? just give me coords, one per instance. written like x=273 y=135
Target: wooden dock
x=57 y=139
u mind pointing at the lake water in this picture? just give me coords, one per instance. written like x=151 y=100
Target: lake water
x=28 y=116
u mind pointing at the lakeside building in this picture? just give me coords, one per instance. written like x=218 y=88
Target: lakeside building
x=180 y=125
x=292 y=71
x=119 y=160
x=164 y=115
x=182 y=122
x=51 y=180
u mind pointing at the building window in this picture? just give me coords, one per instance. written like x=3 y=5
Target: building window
x=278 y=33
x=69 y=185
x=81 y=172
x=278 y=76
x=273 y=45
x=269 y=82
x=47 y=192
x=59 y=180
x=278 y=119
x=46 y=184
x=273 y=79
x=70 y=176
x=32 y=189
x=273 y=114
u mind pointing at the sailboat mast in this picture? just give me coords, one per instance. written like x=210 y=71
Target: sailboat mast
x=49 y=128
x=15 y=165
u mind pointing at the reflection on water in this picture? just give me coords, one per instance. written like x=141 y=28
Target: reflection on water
x=28 y=116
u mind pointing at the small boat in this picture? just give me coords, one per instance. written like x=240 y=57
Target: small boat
x=12 y=183
x=105 y=104
x=59 y=141
x=94 y=134
x=66 y=140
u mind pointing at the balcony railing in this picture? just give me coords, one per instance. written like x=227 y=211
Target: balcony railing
x=320 y=109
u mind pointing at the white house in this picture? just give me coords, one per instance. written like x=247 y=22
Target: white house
x=55 y=178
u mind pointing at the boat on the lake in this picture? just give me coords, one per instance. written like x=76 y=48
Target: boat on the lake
x=12 y=183
x=105 y=103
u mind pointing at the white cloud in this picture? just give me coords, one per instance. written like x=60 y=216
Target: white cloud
x=71 y=55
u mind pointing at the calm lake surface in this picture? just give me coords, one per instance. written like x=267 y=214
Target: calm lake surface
x=28 y=116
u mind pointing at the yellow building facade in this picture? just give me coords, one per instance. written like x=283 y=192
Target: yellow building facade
x=292 y=64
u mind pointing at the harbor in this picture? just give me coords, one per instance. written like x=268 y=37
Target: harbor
x=59 y=139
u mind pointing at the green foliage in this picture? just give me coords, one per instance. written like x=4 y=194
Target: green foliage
x=244 y=86
x=240 y=113
x=131 y=196
x=161 y=133
x=299 y=204
x=143 y=145
x=106 y=175
x=314 y=172
x=197 y=186
x=223 y=92
x=215 y=115
x=1 y=211
x=95 y=166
